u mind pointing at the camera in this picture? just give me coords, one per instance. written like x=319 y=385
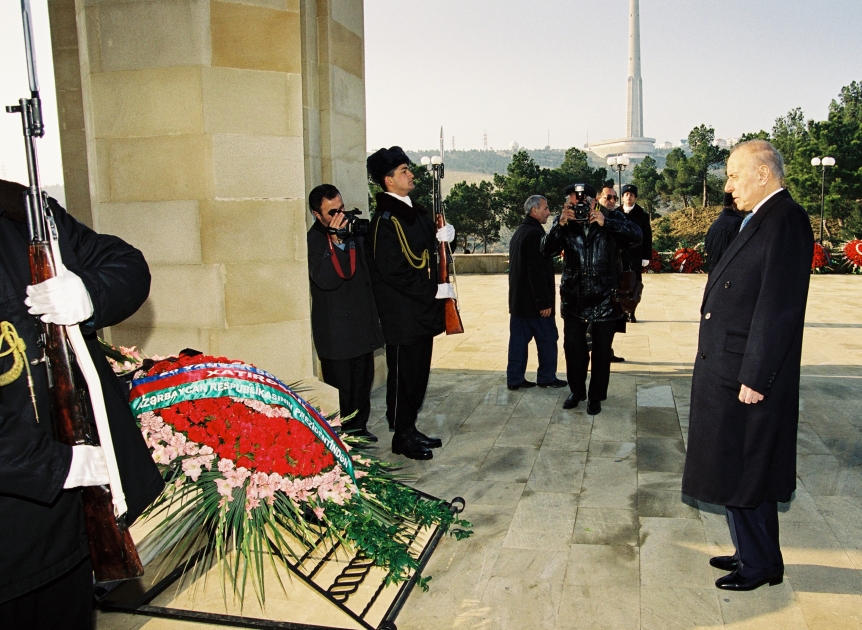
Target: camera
x=581 y=208
x=353 y=226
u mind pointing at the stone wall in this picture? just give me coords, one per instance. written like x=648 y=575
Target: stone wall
x=194 y=129
x=481 y=263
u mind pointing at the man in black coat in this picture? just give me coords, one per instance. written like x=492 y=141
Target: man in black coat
x=344 y=320
x=402 y=252
x=745 y=385
x=637 y=257
x=722 y=231
x=591 y=275
x=531 y=300
x=45 y=574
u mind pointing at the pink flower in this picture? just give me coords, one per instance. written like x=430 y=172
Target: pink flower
x=318 y=512
x=192 y=468
x=224 y=465
x=224 y=488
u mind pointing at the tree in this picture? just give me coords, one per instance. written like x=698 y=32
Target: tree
x=704 y=155
x=647 y=178
x=474 y=211
x=678 y=177
x=523 y=178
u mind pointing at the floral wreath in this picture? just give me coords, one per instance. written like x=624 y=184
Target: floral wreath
x=686 y=260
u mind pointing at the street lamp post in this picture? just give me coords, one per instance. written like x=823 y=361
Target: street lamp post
x=823 y=163
x=619 y=164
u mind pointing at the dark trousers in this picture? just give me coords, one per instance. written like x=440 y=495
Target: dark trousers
x=521 y=331
x=755 y=536
x=409 y=367
x=578 y=357
x=64 y=604
x=353 y=379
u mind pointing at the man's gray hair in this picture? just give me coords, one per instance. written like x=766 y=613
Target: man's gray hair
x=534 y=201
x=764 y=153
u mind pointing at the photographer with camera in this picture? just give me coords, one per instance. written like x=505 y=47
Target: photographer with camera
x=344 y=321
x=590 y=240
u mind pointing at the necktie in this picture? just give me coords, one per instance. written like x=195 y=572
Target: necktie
x=746 y=220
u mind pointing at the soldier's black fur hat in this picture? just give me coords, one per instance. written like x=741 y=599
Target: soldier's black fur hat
x=384 y=161
x=630 y=188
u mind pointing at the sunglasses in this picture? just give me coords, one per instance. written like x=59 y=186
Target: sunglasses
x=614 y=197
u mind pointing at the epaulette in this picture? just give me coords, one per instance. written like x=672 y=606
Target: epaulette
x=387 y=214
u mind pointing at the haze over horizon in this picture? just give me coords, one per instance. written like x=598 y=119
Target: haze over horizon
x=558 y=66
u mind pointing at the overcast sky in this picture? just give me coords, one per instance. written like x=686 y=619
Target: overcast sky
x=520 y=70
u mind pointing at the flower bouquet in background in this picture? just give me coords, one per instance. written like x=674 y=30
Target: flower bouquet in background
x=654 y=265
x=852 y=251
x=253 y=471
x=820 y=259
x=686 y=260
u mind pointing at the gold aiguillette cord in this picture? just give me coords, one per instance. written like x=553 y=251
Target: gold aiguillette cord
x=18 y=350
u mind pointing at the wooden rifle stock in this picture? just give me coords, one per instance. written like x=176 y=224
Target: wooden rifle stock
x=112 y=550
x=453 y=317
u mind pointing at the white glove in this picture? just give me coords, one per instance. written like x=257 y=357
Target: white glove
x=444 y=291
x=644 y=263
x=60 y=300
x=446 y=234
x=88 y=467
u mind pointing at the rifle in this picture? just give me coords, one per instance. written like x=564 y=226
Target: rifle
x=78 y=413
x=444 y=252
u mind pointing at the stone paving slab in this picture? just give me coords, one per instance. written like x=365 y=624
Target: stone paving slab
x=579 y=522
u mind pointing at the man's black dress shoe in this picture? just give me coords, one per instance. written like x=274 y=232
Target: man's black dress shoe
x=633 y=319
x=616 y=359
x=427 y=442
x=594 y=407
x=735 y=582
x=725 y=563
x=525 y=384
x=410 y=448
x=556 y=383
x=572 y=401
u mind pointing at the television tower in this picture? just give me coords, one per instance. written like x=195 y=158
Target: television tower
x=635 y=114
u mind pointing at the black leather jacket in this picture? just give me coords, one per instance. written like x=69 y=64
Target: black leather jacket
x=591 y=272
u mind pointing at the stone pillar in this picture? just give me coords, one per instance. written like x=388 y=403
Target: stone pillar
x=199 y=149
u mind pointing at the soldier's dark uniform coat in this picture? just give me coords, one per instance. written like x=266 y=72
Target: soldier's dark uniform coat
x=42 y=532
x=405 y=295
x=751 y=325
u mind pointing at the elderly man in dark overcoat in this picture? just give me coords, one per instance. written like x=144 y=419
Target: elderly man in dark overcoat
x=402 y=258
x=745 y=386
x=46 y=578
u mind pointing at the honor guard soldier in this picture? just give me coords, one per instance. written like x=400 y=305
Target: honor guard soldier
x=402 y=254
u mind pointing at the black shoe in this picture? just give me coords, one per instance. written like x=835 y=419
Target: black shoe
x=725 y=563
x=525 y=384
x=633 y=319
x=572 y=401
x=594 y=407
x=556 y=383
x=391 y=425
x=427 y=442
x=616 y=359
x=410 y=448
x=735 y=582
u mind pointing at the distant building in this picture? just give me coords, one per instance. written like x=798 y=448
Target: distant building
x=665 y=145
x=721 y=143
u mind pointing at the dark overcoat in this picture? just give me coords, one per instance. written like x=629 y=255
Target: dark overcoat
x=42 y=524
x=751 y=324
x=344 y=320
x=720 y=234
x=633 y=256
x=531 y=275
x=402 y=258
x=591 y=269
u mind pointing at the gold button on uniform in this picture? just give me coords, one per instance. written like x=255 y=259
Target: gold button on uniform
x=707 y=316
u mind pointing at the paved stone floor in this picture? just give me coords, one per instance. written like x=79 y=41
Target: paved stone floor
x=579 y=521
